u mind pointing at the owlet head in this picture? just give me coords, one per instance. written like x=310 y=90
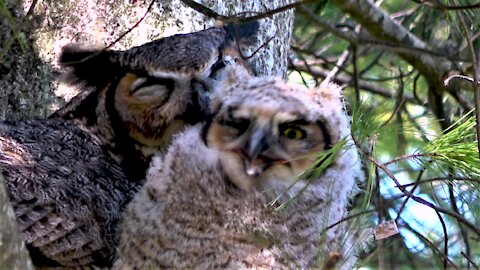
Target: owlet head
x=267 y=130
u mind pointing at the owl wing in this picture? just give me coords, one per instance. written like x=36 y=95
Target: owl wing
x=79 y=106
x=66 y=193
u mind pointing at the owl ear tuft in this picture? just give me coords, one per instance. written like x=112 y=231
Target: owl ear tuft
x=92 y=67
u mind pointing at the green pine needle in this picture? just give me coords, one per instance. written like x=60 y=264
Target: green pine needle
x=324 y=160
x=456 y=149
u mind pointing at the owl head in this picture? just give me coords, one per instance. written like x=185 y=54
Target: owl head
x=265 y=129
x=137 y=99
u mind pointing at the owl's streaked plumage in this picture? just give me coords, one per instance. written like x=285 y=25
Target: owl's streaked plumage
x=135 y=100
x=69 y=177
x=209 y=201
x=67 y=193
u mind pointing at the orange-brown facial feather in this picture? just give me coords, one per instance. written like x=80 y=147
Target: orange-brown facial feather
x=261 y=140
x=140 y=111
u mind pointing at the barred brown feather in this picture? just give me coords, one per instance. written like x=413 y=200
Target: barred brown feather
x=67 y=193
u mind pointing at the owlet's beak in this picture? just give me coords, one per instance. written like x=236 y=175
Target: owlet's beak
x=254 y=161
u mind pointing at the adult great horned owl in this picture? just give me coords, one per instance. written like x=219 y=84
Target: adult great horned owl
x=69 y=179
x=67 y=194
x=137 y=99
x=209 y=201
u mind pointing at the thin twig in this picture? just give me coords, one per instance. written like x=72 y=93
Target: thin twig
x=469 y=260
x=440 y=179
x=423 y=201
x=398 y=107
x=415 y=198
x=409 y=156
x=457 y=76
x=415 y=94
x=399 y=104
x=348 y=218
x=438 y=5
x=417 y=126
x=475 y=85
x=117 y=39
x=308 y=68
x=327 y=26
x=204 y=10
x=264 y=45
x=429 y=243
x=269 y=13
x=131 y=28
x=338 y=66
x=463 y=232
x=356 y=76
x=386 y=79
x=31 y=9
x=445 y=240
x=372 y=64
x=355 y=73
x=381 y=242
x=237 y=17
x=344 y=79
x=300 y=73
x=416 y=184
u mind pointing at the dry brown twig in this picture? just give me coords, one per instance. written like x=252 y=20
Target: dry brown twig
x=237 y=17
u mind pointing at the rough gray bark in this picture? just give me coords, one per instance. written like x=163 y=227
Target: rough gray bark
x=28 y=75
x=272 y=59
x=13 y=254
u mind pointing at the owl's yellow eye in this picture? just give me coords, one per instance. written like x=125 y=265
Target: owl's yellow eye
x=294 y=133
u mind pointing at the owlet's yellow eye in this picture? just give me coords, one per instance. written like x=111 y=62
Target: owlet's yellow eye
x=294 y=133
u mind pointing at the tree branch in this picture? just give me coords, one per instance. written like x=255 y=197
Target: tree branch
x=440 y=6
x=344 y=79
x=475 y=84
x=237 y=17
x=429 y=243
x=380 y=25
x=131 y=28
x=13 y=254
x=204 y=10
x=423 y=201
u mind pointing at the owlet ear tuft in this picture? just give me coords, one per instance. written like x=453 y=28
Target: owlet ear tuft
x=327 y=93
x=230 y=75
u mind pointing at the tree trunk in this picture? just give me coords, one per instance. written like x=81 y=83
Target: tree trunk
x=13 y=254
x=272 y=59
